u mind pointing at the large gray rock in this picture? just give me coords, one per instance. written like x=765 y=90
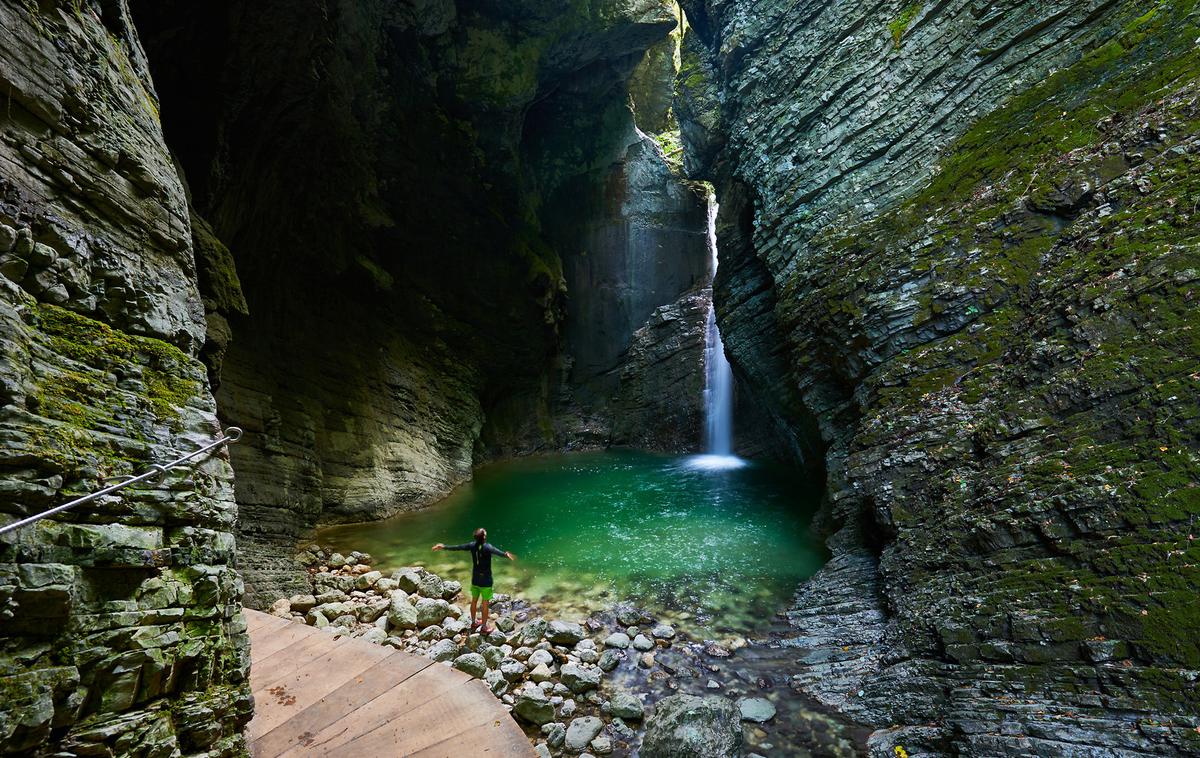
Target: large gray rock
x=401 y=613
x=430 y=612
x=471 y=663
x=580 y=732
x=627 y=706
x=532 y=705
x=564 y=632
x=444 y=650
x=686 y=726
x=580 y=677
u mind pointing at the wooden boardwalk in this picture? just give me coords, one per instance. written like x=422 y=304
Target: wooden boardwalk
x=316 y=694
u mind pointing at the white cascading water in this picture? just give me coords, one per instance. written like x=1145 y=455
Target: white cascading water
x=718 y=379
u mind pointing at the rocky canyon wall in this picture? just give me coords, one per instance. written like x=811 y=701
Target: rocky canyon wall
x=121 y=631
x=446 y=229
x=959 y=253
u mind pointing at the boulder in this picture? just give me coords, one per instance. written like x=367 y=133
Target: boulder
x=496 y=682
x=627 y=706
x=643 y=643
x=663 y=632
x=281 y=608
x=532 y=632
x=302 y=603
x=471 y=663
x=450 y=589
x=533 y=706
x=401 y=613
x=367 y=581
x=444 y=650
x=431 y=612
x=556 y=733
x=581 y=732
x=541 y=673
x=431 y=586
x=564 y=632
x=580 y=678
x=541 y=656
x=687 y=726
x=408 y=580
x=512 y=669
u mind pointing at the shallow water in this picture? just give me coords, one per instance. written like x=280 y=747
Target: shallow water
x=717 y=551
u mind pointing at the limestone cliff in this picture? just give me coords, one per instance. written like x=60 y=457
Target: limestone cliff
x=959 y=256
x=121 y=630
x=446 y=229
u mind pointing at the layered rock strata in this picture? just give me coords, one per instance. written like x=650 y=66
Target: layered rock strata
x=121 y=630
x=958 y=253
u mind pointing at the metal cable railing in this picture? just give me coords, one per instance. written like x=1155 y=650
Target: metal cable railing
x=155 y=472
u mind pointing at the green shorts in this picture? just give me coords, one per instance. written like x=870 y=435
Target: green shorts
x=483 y=592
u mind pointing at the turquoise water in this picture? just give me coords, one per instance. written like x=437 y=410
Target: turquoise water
x=717 y=551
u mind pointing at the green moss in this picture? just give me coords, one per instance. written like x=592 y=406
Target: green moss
x=166 y=372
x=900 y=24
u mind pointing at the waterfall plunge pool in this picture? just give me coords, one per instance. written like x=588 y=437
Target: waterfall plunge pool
x=714 y=551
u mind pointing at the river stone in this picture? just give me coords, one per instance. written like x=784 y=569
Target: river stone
x=532 y=632
x=588 y=656
x=618 y=640
x=453 y=625
x=374 y=635
x=371 y=610
x=611 y=659
x=450 y=589
x=430 y=633
x=401 y=613
x=756 y=709
x=471 y=663
x=602 y=745
x=626 y=705
x=431 y=612
x=386 y=585
x=512 y=669
x=533 y=706
x=506 y=624
x=541 y=656
x=493 y=655
x=444 y=650
x=555 y=733
x=430 y=585
x=302 y=603
x=687 y=726
x=523 y=653
x=627 y=616
x=580 y=678
x=582 y=731
x=542 y=750
x=281 y=608
x=332 y=596
x=564 y=632
x=496 y=682
x=367 y=580
x=408 y=580
x=643 y=643
x=541 y=673
x=663 y=632
x=336 y=561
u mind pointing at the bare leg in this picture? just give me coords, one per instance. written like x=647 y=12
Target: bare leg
x=474 y=602
x=485 y=615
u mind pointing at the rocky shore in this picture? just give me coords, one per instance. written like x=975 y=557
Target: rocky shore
x=618 y=682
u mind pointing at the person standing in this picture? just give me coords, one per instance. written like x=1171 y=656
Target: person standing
x=481 y=573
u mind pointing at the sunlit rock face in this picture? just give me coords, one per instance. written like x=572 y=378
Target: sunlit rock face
x=120 y=622
x=957 y=255
x=446 y=229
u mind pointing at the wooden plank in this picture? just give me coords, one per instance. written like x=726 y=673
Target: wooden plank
x=284 y=662
x=499 y=737
x=412 y=693
x=309 y=683
x=256 y=621
x=450 y=715
x=264 y=645
x=341 y=696
x=347 y=698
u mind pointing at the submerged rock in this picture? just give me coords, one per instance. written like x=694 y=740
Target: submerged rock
x=581 y=732
x=686 y=726
x=756 y=709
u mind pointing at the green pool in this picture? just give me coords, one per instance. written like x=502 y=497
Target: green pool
x=714 y=549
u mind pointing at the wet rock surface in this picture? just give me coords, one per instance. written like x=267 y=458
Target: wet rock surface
x=957 y=262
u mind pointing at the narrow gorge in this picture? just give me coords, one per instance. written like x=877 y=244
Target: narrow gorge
x=458 y=263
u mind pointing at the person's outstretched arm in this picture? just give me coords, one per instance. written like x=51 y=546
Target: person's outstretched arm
x=502 y=553
x=463 y=546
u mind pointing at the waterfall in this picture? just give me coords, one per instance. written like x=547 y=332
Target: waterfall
x=718 y=378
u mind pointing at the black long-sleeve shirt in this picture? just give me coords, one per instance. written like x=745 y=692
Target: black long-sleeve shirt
x=481 y=561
